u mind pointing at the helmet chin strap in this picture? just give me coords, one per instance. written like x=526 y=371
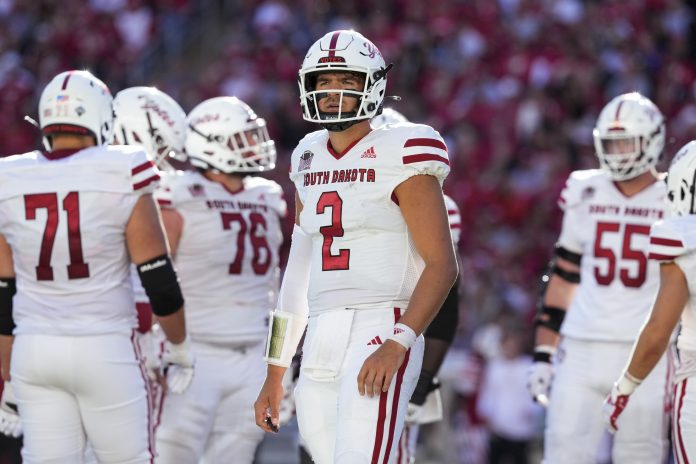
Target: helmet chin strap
x=339 y=126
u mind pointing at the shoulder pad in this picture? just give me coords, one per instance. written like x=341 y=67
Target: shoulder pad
x=271 y=191
x=302 y=155
x=580 y=186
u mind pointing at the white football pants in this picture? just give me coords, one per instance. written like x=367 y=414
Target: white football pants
x=684 y=421
x=584 y=374
x=73 y=389
x=214 y=418
x=338 y=425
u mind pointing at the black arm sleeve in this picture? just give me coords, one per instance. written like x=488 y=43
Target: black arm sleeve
x=444 y=326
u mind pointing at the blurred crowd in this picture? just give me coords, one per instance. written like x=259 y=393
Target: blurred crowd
x=514 y=86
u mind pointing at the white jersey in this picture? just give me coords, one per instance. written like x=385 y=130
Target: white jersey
x=138 y=290
x=227 y=258
x=65 y=221
x=674 y=239
x=611 y=231
x=455 y=220
x=362 y=254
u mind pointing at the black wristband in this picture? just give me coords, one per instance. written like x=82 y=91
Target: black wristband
x=161 y=285
x=8 y=288
x=550 y=317
x=541 y=356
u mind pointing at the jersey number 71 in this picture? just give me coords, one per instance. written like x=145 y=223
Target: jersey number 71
x=77 y=269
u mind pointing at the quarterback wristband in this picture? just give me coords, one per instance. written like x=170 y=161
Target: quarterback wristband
x=404 y=335
x=285 y=330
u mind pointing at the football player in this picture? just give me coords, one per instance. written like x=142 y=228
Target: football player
x=600 y=287
x=672 y=244
x=223 y=225
x=371 y=260
x=426 y=405
x=71 y=220
x=151 y=119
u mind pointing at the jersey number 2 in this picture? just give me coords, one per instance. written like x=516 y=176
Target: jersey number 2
x=77 y=269
x=627 y=254
x=329 y=261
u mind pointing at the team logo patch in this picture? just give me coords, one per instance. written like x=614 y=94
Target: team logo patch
x=587 y=193
x=369 y=153
x=306 y=161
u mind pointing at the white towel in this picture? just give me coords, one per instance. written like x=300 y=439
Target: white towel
x=326 y=344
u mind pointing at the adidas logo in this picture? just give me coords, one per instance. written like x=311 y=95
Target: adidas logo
x=398 y=330
x=369 y=153
x=375 y=341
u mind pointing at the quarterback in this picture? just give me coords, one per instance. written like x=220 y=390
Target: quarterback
x=371 y=260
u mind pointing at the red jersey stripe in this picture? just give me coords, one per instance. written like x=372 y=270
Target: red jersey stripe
x=142 y=167
x=660 y=256
x=146 y=182
x=666 y=242
x=424 y=157
x=424 y=142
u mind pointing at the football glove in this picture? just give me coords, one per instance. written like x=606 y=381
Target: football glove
x=540 y=374
x=10 y=423
x=178 y=362
x=616 y=401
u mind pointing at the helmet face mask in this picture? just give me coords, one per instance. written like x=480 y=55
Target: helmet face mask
x=629 y=136
x=343 y=52
x=76 y=102
x=148 y=117
x=681 y=181
x=224 y=134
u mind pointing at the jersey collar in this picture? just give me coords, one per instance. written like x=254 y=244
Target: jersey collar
x=60 y=154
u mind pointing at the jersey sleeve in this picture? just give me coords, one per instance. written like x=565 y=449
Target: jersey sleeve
x=573 y=191
x=424 y=151
x=570 y=200
x=667 y=242
x=276 y=200
x=455 y=219
x=164 y=194
x=144 y=174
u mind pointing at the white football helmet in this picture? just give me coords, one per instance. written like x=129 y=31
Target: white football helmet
x=681 y=181
x=343 y=51
x=388 y=116
x=638 y=124
x=152 y=119
x=225 y=134
x=76 y=102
